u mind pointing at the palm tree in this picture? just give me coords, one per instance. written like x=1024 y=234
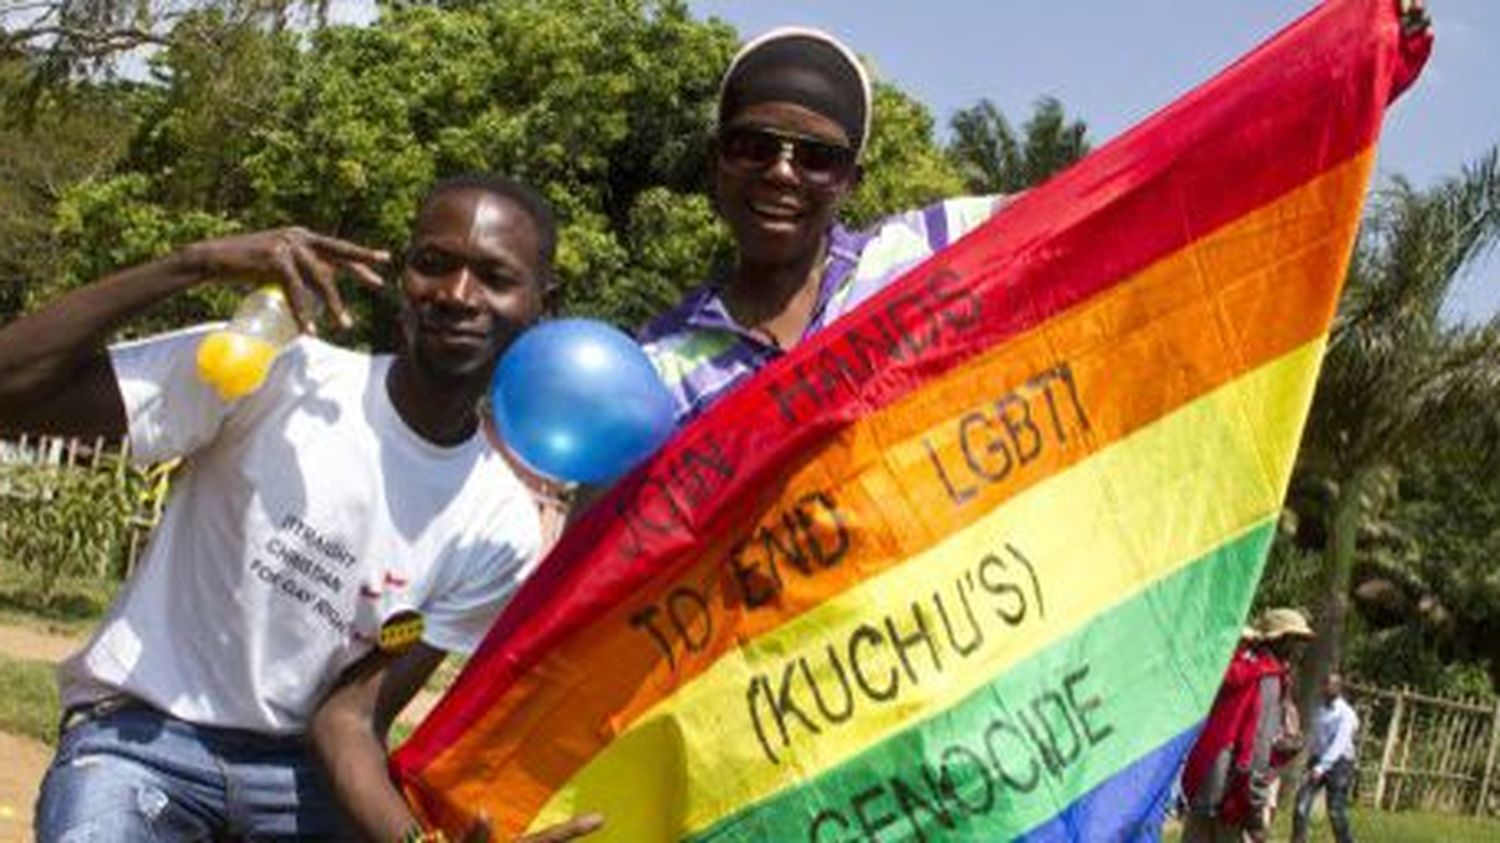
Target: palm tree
x=1426 y=586
x=1399 y=380
x=995 y=159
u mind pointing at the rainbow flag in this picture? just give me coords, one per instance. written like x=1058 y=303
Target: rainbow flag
x=969 y=564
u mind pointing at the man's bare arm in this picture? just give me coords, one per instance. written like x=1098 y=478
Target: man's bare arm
x=54 y=373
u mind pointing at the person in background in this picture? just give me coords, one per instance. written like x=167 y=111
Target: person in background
x=1230 y=775
x=553 y=497
x=1285 y=749
x=1330 y=763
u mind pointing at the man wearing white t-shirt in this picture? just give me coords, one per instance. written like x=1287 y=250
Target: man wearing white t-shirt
x=348 y=494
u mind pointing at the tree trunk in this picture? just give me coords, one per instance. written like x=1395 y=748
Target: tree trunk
x=1324 y=653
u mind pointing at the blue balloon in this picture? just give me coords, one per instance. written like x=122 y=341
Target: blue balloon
x=578 y=400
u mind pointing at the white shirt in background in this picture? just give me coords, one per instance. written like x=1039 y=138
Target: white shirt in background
x=1333 y=734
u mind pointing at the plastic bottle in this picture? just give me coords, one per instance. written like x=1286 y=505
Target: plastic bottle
x=234 y=360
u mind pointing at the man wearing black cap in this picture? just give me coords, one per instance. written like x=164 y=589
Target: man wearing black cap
x=794 y=115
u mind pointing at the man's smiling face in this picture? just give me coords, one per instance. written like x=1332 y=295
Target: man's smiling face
x=472 y=283
x=776 y=212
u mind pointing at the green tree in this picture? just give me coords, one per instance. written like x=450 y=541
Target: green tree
x=213 y=90
x=1426 y=584
x=1398 y=381
x=903 y=165
x=72 y=38
x=994 y=158
x=72 y=133
x=606 y=106
x=603 y=106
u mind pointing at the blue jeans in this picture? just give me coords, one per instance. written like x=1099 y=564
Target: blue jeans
x=1338 y=781
x=137 y=774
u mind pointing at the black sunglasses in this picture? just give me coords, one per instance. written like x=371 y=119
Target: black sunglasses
x=751 y=148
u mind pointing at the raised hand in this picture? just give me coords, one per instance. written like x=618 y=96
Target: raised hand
x=303 y=262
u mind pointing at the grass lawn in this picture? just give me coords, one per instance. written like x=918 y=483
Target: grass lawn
x=1381 y=827
x=72 y=607
x=28 y=705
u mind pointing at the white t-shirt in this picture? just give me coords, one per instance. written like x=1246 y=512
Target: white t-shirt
x=304 y=515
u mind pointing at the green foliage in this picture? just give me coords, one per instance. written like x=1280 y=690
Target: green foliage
x=1400 y=389
x=48 y=144
x=73 y=39
x=214 y=87
x=1290 y=577
x=1398 y=377
x=104 y=224
x=1453 y=504
x=1430 y=612
x=30 y=704
x=606 y=106
x=671 y=240
x=994 y=158
x=1410 y=656
x=903 y=166
x=602 y=105
x=61 y=524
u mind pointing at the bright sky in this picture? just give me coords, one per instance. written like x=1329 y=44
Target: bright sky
x=1113 y=62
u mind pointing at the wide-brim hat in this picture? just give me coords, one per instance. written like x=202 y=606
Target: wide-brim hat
x=1280 y=623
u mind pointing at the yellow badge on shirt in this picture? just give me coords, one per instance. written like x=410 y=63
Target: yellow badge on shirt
x=400 y=632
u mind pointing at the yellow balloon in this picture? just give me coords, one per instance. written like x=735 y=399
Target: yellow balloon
x=211 y=351
x=234 y=363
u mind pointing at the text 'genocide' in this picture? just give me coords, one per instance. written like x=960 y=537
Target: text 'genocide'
x=958 y=786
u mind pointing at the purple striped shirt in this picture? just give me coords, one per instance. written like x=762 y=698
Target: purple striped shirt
x=701 y=352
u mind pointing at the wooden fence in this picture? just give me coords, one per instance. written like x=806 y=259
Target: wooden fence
x=1418 y=751
x=31 y=466
x=57 y=451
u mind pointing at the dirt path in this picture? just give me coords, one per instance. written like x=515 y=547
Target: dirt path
x=26 y=759
x=24 y=642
